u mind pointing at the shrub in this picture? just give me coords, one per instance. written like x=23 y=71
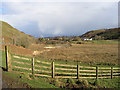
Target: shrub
x=97 y=82
x=78 y=43
x=23 y=41
x=23 y=45
x=57 y=82
x=70 y=81
x=75 y=39
x=85 y=82
x=32 y=76
x=63 y=85
x=79 y=81
x=51 y=42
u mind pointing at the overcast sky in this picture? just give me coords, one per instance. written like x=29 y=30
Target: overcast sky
x=59 y=17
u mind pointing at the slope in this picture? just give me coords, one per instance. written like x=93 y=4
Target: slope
x=106 y=34
x=12 y=35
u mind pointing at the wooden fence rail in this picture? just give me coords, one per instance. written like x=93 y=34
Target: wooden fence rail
x=51 y=69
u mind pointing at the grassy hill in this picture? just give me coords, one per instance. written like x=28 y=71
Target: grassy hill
x=12 y=35
x=105 y=34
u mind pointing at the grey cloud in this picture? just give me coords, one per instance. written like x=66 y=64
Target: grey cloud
x=61 y=18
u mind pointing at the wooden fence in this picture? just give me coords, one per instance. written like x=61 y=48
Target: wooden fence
x=56 y=70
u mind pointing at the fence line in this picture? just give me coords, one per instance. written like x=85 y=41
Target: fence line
x=46 y=67
x=87 y=70
x=101 y=71
x=21 y=62
x=66 y=73
x=22 y=58
x=22 y=68
x=42 y=62
x=65 y=69
x=65 y=65
x=41 y=68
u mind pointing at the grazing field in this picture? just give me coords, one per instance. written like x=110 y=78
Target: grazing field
x=21 y=70
x=101 y=52
x=91 y=53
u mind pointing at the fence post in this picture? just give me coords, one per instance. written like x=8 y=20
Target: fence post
x=53 y=70
x=8 y=57
x=111 y=72
x=77 y=71
x=96 y=72
x=32 y=66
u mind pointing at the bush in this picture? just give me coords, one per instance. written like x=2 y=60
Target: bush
x=97 y=82
x=70 y=81
x=23 y=41
x=32 y=76
x=63 y=85
x=79 y=81
x=51 y=42
x=75 y=40
x=23 y=45
x=78 y=43
x=85 y=82
x=55 y=82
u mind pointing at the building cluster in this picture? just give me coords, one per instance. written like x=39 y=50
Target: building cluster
x=87 y=39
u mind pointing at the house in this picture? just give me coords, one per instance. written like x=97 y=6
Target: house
x=87 y=39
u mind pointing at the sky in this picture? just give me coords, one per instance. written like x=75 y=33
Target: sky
x=45 y=18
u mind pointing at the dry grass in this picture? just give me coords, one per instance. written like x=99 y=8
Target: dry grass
x=92 y=54
x=19 y=50
x=85 y=53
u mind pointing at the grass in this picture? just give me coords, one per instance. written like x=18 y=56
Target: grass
x=89 y=83
x=40 y=82
x=21 y=65
x=9 y=33
x=107 y=83
x=99 y=53
x=90 y=53
x=21 y=70
x=101 y=83
x=3 y=60
x=60 y=71
x=48 y=65
x=98 y=42
x=104 y=41
x=34 y=83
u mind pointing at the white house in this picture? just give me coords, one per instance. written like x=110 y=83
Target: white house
x=87 y=39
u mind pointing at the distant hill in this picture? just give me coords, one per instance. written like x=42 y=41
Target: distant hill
x=106 y=34
x=12 y=35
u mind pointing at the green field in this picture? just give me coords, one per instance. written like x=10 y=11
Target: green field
x=34 y=83
x=105 y=41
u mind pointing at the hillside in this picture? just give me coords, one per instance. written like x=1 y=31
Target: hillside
x=106 y=34
x=12 y=35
